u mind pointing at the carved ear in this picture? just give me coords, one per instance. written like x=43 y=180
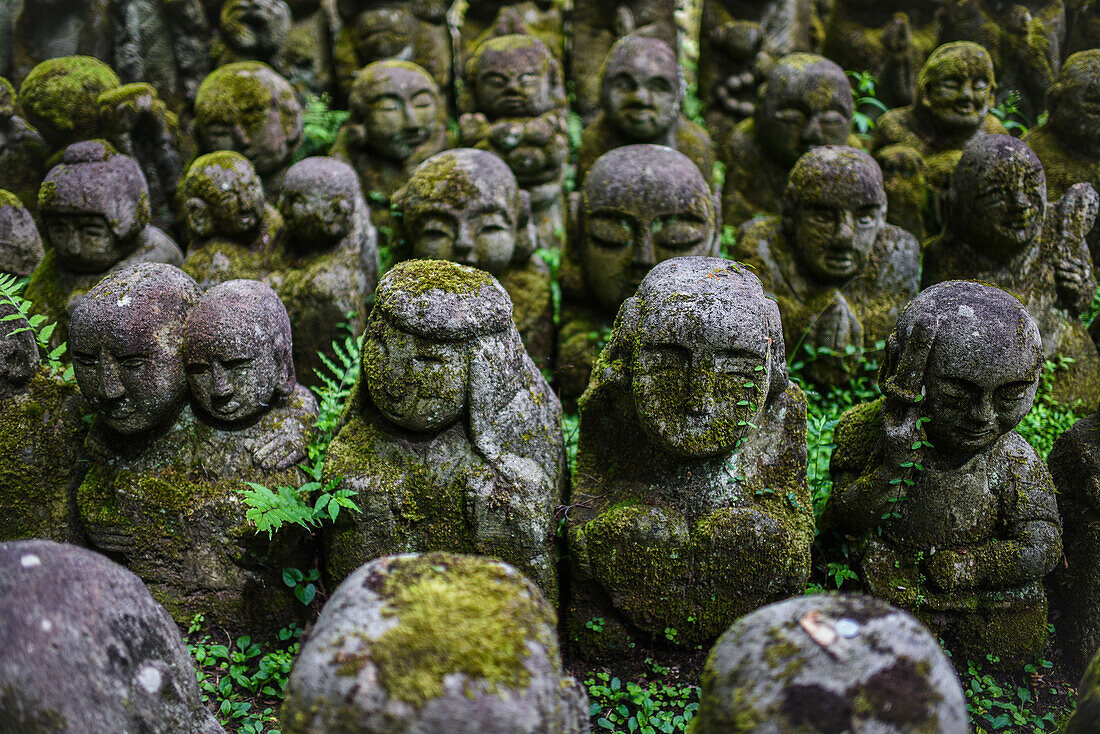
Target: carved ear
x=615 y=363
x=198 y=218
x=778 y=377
x=527 y=237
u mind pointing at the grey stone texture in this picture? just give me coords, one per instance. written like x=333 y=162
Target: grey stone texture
x=543 y=19
x=47 y=29
x=23 y=150
x=21 y=248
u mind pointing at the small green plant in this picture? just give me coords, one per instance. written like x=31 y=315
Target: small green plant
x=595 y=624
x=1009 y=109
x=670 y=634
x=996 y=704
x=868 y=105
x=11 y=290
x=320 y=125
x=303 y=583
x=644 y=707
x=1048 y=419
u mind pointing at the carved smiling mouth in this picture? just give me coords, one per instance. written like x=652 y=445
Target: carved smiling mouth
x=414 y=138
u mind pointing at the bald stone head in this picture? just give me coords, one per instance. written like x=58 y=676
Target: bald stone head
x=221 y=195
x=255 y=28
x=1074 y=102
x=642 y=87
x=396 y=111
x=20 y=244
x=955 y=87
x=319 y=201
x=515 y=76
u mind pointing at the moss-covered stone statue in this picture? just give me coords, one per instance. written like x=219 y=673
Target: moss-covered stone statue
x=333 y=250
x=517 y=91
x=641 y=96
x=1000 y=229
x=40 y=411
x=597 y=25
x=95 y=216
x=805 y=101
x=1083 y=26
x=251 y=30
x=161 y=489
x=739 y=42
x=249 y=108
x=889 y=39
x=839 y=663
x=543 y=19
x=66 y=609
x=690 y=505
x=451 y=439
x=397 y=121
x=23 y=150
x=48 y=29
x=231 y=231
x=1086 y=718
x=434 y=642
x=308 y=52
x=464 y=205
x=640 y=205
x=1024 y=37
x=60 y=98
x=840 y=274
x=919 y=145
x=405 y=30
x=952 y=513
x=20 y=244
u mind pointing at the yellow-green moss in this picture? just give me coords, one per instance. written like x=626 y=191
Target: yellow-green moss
x=60 y=97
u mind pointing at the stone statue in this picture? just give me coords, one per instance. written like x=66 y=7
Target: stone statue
x=889 y=39
x=640 y=205
x=543 y=19
x=249 y=108
x=334 y=258
x=60 y=99
x=830 y=663
x=1083 y=22
x=20 y=245
x=840 y=274
x=95 y=216
x=64 y=608
x=1024 y=37
x=23 y=151
x=999 y=229
x=597 y=24
x=966 y=536
x=641 y=95
x=954 y=93
x=1085 y=717
x=805 y=101
x=252 y=30
x=231 y=231
x=690 y=505
x=40 y=411
x=399 y=30
x=308 y=52
x=161 y=490
x=481 y=218
x=519 y=111
x=48 y=29
x=739 y=42
x=434 y=642
x=397 y=121
x=451 y=439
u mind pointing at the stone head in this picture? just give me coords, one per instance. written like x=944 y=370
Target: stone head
x=396 y=111
x=1074 y=101
x=975 y=354
x=996 y=203
x=255 y=28
x=20 y=244
x=640 y=205
x=427 y=319
x=126 y=338
x=237 y=351
x=63 y=608
x=383 y=33
x=18 y=351
x=7 y=99
x=805 y=101
x=249 y=108
x=60 y=98
x=221 y=195
x=700 y=350
x=126 y=110
x=515 y=76
x=93 y=205
x=464 y=205
x=955 y=87
x=460 y=644
x=642 y=87
x=321 y=203
x=834 y=209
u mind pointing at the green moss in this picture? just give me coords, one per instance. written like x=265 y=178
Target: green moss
x=8 y=199
x=441 y=180
x=60 y=97
x=234 y=94
x=415 y=278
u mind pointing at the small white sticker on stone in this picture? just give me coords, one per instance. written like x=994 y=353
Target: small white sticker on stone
x=149 y=678
x=30 y=561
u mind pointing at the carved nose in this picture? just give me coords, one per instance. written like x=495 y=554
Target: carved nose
x=110 y=384
x=812 y=133
x=222 y=387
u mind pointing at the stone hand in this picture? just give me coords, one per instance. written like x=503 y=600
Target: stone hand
x=838 y=326
x=950 y=570
x=897 y=35
x=473 y=127
x=281 y=452
x=1073 y=264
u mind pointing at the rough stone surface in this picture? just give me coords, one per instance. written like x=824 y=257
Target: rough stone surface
x=23 y=151
x=464 y=205
x=543 y=19
x=1000 y=229
x=66 y=609
x=334 y=258
x=20 y=244
x=840 y=274
x=47 y=29
x=60 y=97
x=641 y=93
x=966 y=536
x=830 y=664
x=308 y=52
x=640 y=205
x=434 y=642
x=252 y=30
x=690 y=505
x=451 y=439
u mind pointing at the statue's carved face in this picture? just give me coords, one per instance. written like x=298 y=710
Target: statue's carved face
x=84 y=243
x=317 y=216
x=1008 y=200
x=257 y=133
x=255 y=26
x=237 y=209
x=641 y=89
x=232 y=369
x=384 y=33
x=701 y=373
x=1078 y=107
x=834 y=242
x=417 y=383
x=804 y=108
x=18 y=354
x=400 y=111
x=958 y=95
x=513 y=83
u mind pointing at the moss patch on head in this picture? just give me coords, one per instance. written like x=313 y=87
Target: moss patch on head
x=441 y=179
x=240 y=93
x=7 y=198
x=457 y=615
x=61 y=97
x=7 y=98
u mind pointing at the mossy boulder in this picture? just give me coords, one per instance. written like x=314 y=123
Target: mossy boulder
x=60 y=98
